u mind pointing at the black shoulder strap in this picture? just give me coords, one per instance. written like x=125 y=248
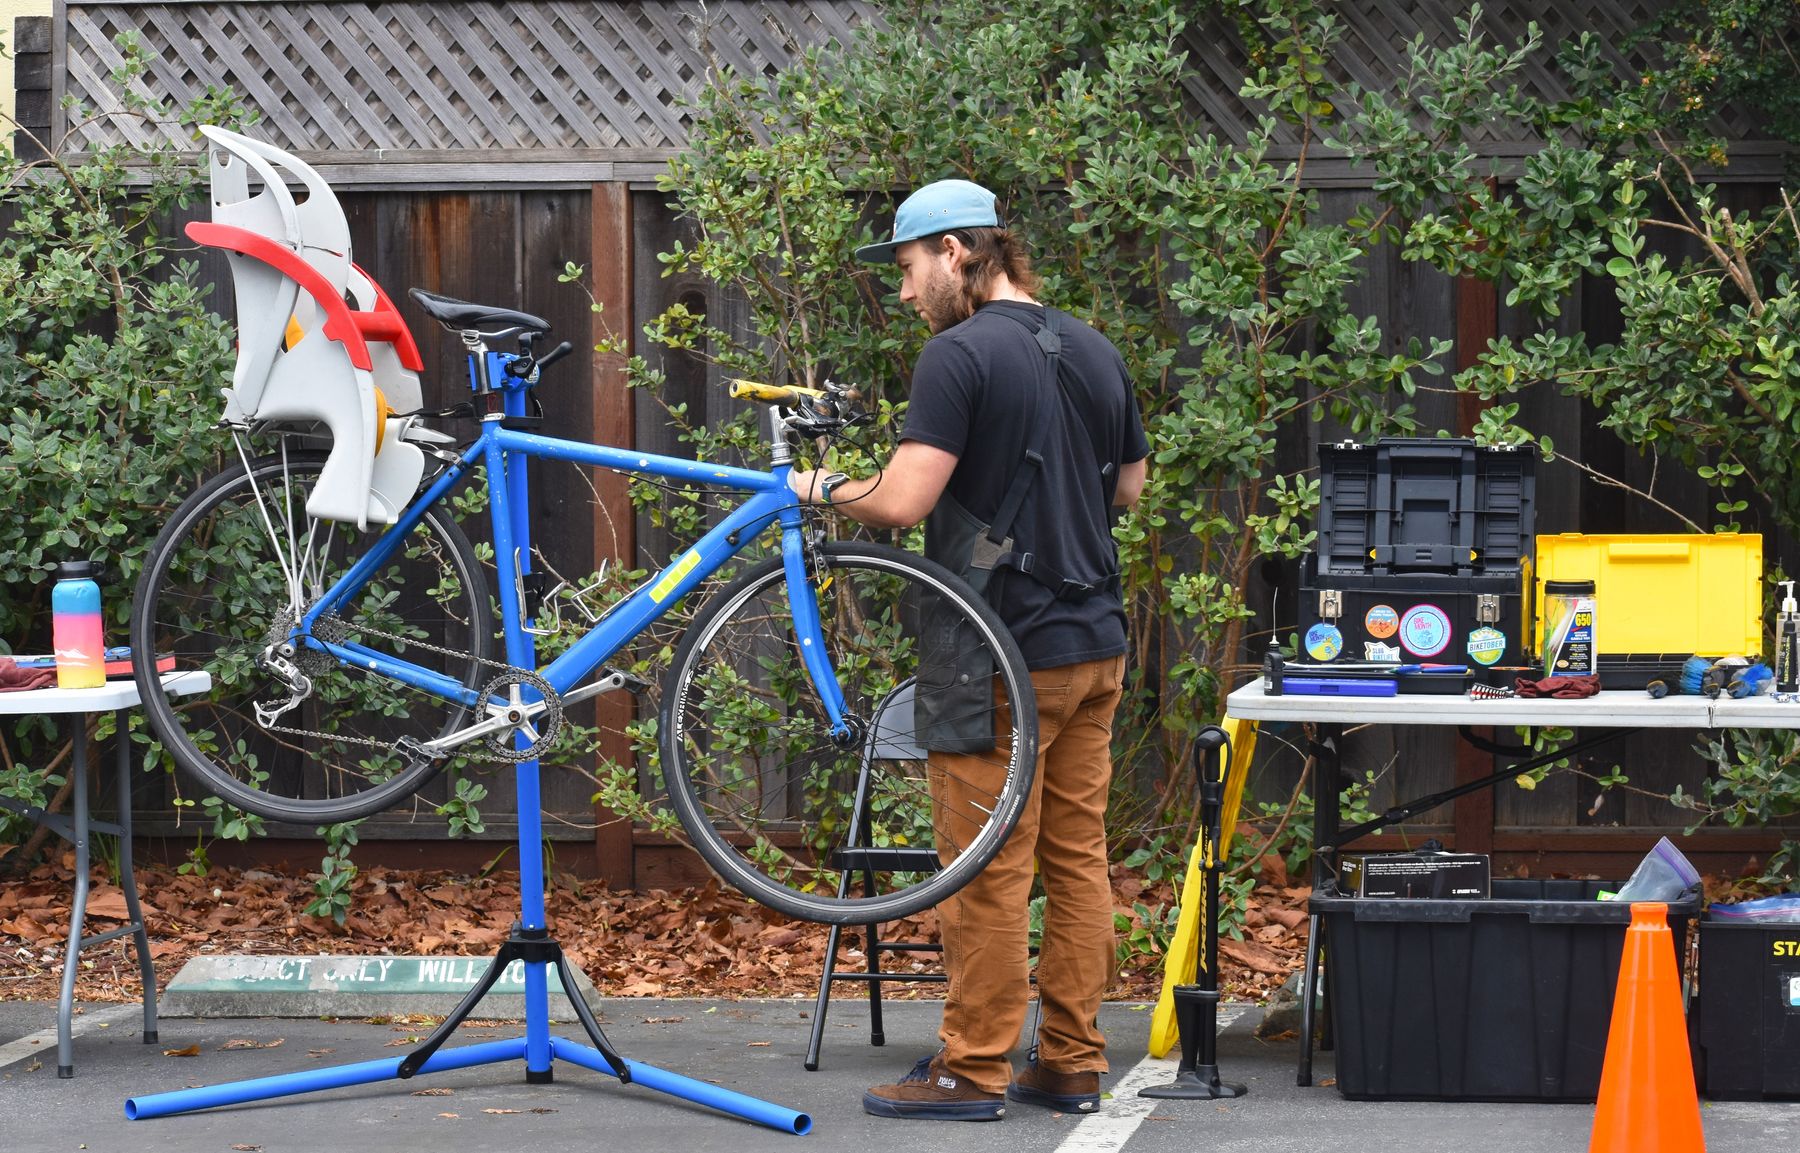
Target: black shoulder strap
x=1049 y=338
x=998 y=548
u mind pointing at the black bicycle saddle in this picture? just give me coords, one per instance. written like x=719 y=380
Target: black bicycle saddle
x=461 y=315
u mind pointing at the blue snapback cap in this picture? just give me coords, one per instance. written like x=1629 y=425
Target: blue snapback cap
x=937 y=207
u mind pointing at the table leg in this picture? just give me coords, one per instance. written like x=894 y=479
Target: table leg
x=1309 y=981
x=65 y=1005
x=1328 y=788
x=1327 y=785
x=128 y=879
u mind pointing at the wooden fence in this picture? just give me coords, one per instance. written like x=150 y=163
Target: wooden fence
x=480 y=146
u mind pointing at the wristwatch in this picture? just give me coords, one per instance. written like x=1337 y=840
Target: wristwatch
x=829 y=483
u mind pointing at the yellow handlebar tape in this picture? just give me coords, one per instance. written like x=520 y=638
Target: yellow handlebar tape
x=771 y=393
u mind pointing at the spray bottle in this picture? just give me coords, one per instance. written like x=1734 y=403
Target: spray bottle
x=1787 y=642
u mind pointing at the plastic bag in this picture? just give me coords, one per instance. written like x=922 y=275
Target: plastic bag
x=1783 y=909
x=1663 y=875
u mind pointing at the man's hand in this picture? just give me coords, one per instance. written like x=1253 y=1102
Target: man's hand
x=898 y=497
x=805 y=482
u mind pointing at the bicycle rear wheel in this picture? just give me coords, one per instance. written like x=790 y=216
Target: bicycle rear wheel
x=221 y=594
x=772 y=800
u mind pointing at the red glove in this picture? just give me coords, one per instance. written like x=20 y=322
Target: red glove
x=1565 y=688
x=14 y=679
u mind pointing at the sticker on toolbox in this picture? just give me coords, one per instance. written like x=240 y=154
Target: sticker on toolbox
x=1323 y=641
x=1382 y=621
x=1425 y=630
x=1376 y=651
x=1486 y=645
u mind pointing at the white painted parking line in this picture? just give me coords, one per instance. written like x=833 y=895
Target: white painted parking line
x=43 y=1042
x=1121 y=1114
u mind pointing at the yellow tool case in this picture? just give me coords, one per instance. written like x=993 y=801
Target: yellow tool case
x=1663 y=595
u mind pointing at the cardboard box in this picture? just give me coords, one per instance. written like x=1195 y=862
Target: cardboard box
x=1415 y=875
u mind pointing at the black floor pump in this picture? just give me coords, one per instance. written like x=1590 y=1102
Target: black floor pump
x=1197 y=1005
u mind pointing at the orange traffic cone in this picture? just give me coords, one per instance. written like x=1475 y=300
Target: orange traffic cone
x=1647 y=1099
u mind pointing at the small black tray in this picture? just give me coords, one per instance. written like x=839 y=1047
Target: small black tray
x=1435 y=684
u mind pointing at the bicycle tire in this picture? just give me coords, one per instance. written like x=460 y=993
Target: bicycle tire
x=214 y=595
x=768 y=798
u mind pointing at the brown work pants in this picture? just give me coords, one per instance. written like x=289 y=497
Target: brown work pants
x=984 y=926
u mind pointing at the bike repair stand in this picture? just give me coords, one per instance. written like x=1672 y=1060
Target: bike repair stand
x=530 y=943
x=1197 y=1005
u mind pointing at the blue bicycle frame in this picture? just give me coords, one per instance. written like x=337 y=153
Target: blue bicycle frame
x=504 y=452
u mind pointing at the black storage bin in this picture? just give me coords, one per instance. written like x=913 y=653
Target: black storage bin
x=1746 y=1018
x=1417 y=504
x=1507 y=999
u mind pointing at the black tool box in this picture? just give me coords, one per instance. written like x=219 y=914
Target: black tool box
x=1423 y=555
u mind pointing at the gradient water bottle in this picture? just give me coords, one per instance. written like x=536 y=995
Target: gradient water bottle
x=76 y=627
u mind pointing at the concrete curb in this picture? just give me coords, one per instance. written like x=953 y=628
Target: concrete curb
x=327 y=986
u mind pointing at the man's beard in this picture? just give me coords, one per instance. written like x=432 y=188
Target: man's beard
x=943 y=303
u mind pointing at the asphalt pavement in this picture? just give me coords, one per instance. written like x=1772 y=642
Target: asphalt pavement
x=751 y=1047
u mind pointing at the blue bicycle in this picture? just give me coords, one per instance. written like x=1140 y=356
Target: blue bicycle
x=352 y=660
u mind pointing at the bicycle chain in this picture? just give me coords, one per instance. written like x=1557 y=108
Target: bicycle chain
x=337 y=630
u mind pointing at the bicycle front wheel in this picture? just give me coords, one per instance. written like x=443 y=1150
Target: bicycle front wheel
x=299 y=736
x=863 y=824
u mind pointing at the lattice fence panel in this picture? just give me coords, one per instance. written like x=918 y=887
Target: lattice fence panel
x=613 y=78
x=1374 y=51
x=348 y=76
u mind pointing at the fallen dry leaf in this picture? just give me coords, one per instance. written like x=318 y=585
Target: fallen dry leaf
x=756 y=1044
x=438 y=1091
x=452 y=1116
x=238 y=1148
x=1255 y=954
x=319 y=1052
x=247 y=1043
x=664 y=1020
x=190 y=1051
x=499 y=1110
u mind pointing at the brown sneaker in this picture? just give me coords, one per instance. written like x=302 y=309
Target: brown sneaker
x=932 y=1093
x=1067 y=1092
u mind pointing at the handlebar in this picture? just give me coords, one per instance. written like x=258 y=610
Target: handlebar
x=808 y=411
x=772 y=393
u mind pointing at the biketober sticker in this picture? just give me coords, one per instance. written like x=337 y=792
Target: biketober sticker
x=1425 y=630
x=1382 y=621
x=1486 y=645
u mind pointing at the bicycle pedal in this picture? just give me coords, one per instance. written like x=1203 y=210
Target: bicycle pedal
x=414 y=751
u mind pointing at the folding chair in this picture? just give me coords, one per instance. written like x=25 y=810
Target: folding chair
x=890 y=738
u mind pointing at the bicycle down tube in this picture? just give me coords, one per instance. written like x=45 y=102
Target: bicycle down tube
x=503 y=451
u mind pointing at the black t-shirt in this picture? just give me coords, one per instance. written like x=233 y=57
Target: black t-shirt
x=971 y=397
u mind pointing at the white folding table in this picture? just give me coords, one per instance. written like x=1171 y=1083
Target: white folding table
x=114 y=696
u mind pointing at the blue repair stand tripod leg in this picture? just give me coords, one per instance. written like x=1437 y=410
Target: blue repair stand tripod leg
x=530 y=943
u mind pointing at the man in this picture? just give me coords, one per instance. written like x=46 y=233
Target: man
x=983 y=391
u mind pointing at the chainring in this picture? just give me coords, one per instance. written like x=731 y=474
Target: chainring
x=546 y=724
